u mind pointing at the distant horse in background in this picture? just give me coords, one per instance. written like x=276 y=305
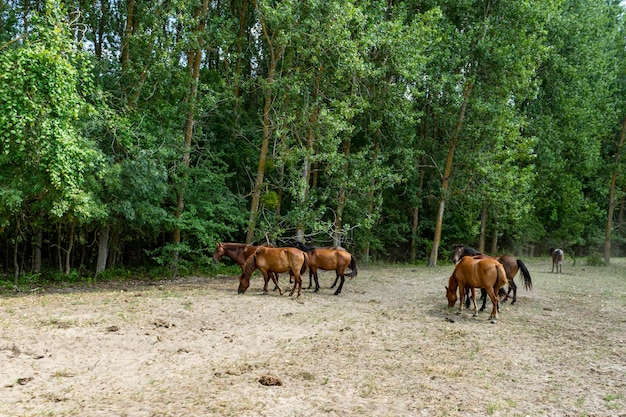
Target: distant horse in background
x=328 y=259
x=557 y=259
x=239 y=252
x=470 y=273
x=277 y=260
x=511 y=266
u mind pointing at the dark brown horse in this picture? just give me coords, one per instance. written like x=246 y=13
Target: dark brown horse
x=239 y=252
x=277 y=260
x=470 y=273
x=334 y=258
x=557 y=259
x=511 y=266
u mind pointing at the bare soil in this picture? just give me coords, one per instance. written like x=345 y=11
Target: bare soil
x=387 y=346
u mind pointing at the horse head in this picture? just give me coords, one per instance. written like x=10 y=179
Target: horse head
x=457 y=253
x=451 y=290
x=218 y=253
x=247 y=270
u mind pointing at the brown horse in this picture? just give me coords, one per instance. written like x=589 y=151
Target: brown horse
x=333 y=258
x=471 y=273
x=268 y=260
x=239 y=252
x=511 y=266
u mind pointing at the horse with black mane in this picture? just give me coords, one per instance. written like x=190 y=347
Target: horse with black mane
x=268 y=260
x=328 y=259
x=511 y=266
x=557 y=259
x=475 y=272
x=240 y=252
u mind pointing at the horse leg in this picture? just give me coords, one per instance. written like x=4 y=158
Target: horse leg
x=317 y=281
x=266 y=280
x=275 y=281
x=474 y=301
x=467 y=300
x=483 y=296
x=310 y=278
x=461 y=297
x=297 y=283
x=494 y=301
x=512 y=286
x=340 y=285
x=336 y=280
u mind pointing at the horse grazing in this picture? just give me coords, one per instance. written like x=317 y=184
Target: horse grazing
x=239 y=252
x=268 y=260
x=557 y=259
x=511 y=266
x=328 y=259
x=470 y=273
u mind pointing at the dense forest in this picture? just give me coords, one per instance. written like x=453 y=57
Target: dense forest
x=137 y=133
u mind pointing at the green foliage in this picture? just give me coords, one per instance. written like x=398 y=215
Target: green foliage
x=365 y=100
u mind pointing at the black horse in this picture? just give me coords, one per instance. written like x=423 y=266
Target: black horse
x=511 y=266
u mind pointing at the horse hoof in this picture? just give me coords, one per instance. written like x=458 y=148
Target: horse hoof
x=475 y=315
x=337 y=293
x=458 y=312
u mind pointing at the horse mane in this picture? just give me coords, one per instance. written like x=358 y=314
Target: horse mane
x=470 y=251
x=247 y=269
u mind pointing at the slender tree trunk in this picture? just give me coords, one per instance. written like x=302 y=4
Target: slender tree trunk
x=194 y=60
x=59 y=255
x=37 y=250
x=310 y=145
x=70 y=248
x=483 y=229
x=341 y=201
x=128 y=31
x=494 y=239
x=611 y=209
x=445 y=181
x=416 y=212
x=16 y=263
x=275 y=55
x=103 y=248
x=240 y=37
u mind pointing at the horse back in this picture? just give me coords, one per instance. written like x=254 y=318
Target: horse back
x=279 y=259
x=479 y=272
x=329 y=258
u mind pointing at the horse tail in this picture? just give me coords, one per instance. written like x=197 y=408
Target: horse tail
x=501 y=281
x=352 y=265
x=249 y=266
x=305 y=264
x=528 y=283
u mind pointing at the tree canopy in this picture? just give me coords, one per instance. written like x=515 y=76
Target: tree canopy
x=135 y=133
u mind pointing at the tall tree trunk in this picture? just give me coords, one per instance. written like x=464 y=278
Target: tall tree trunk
x=70 y=248
x=37 y=250
x=16 y=263
x=416 y=211
x=494 y=239
x=275 y=55
x=445 y=181
x=483 y=229
x=128 y=31
x=310 y=145
x=103 y=248
x=194 y=60
x=341 y=201
x=241 y=34
x=611 y=209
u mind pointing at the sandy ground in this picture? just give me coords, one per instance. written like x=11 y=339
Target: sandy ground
x=387 y=346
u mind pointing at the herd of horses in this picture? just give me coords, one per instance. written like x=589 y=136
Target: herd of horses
x=472 y=270
x=295 y=260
